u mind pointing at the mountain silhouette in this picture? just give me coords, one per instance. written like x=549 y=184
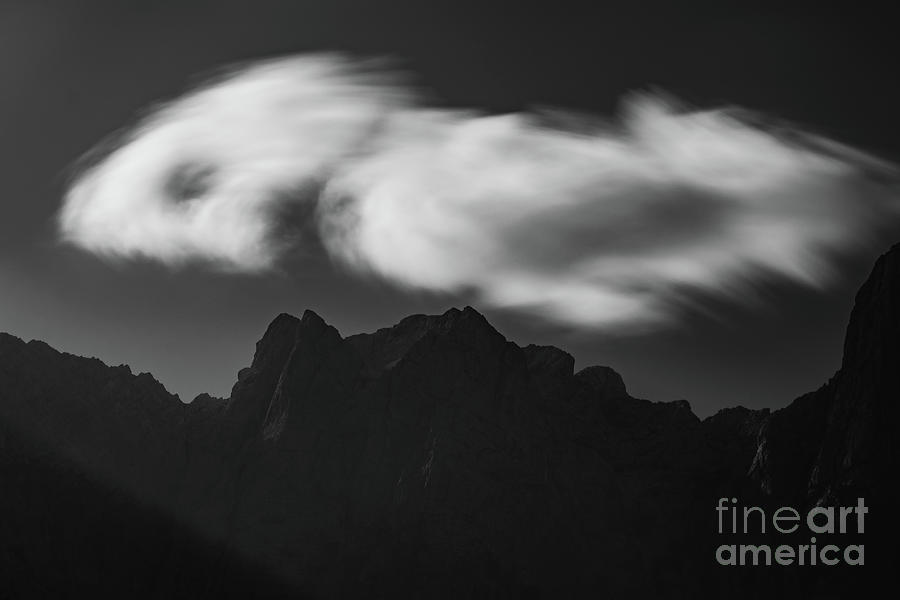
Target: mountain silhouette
x=431 y=459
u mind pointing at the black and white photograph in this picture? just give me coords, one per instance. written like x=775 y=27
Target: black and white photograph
x=446 y=299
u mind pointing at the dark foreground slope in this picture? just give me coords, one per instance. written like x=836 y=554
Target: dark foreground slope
x=430 y=459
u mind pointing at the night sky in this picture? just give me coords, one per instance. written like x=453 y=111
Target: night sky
x=74 y=73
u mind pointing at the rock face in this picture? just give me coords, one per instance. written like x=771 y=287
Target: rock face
x=839 y=443
x=430 y=459
x=842 y=437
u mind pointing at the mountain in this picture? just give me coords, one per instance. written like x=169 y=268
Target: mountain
x=434 y=459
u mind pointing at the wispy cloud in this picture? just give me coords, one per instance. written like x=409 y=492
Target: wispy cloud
x=607 y=224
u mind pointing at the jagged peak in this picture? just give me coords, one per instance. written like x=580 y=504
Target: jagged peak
x=205 y=398
x=603 y=378
x=256 y=383
x=282 y=321
x=385 y=347
x=311 y=316
x=286 y=323
x=468 y=319
x=280 y=337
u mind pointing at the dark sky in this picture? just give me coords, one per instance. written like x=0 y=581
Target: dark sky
x=72 y=73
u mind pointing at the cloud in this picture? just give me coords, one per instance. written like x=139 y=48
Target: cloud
x=607 y=224
x=204 y=177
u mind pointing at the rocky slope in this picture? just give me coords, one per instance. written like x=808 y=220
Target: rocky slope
x=433 y=458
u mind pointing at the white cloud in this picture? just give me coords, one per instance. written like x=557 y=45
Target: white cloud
x=613 y=227
x=253 y=138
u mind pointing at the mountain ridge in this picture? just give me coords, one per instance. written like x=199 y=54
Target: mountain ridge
x=360 y=340
x=436 y=458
